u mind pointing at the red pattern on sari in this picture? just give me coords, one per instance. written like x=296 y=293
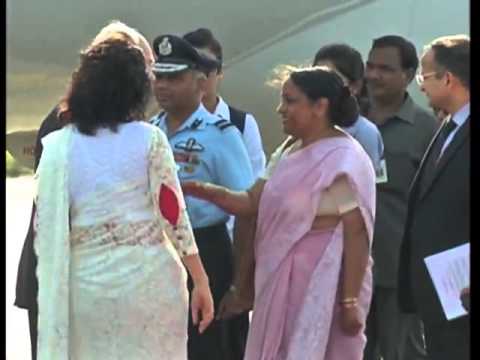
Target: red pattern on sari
x=169 y=205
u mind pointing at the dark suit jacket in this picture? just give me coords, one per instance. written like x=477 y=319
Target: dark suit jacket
x=27 y=285
x=438 y=219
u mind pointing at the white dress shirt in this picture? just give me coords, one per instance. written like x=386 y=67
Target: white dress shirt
x=251 y=138
x=458 y=118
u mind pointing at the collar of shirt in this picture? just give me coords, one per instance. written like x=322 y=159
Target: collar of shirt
x=461 y=115
x=353 y=129
x=407 y=110
x=458 y=118
x=201 y=114
x=222 y=110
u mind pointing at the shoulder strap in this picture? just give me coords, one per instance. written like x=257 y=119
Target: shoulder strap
x=222 y=124
x=237 y=117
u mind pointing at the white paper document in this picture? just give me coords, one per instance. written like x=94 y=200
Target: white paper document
x=450 y=272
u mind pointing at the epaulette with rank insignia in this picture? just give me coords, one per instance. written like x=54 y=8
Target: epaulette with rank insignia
x=223 y=124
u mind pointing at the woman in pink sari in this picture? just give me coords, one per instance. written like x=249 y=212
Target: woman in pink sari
x=315 y=211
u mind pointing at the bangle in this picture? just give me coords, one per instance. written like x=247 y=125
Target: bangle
x=349 y=300
x=348 y=305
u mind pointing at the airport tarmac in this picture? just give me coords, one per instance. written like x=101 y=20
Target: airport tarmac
x=19 y=193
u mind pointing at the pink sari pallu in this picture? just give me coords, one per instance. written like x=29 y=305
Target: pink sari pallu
x=298 y=269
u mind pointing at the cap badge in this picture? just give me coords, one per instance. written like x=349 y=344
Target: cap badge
x=165 y=48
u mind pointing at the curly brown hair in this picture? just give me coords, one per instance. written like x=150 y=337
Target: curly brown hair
x=111 y=86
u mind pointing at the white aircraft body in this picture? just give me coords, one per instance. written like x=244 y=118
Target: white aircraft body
x=45 y=37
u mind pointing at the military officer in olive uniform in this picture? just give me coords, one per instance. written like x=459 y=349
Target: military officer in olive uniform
x=207 y=149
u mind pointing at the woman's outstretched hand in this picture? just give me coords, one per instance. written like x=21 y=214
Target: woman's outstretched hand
x=236 y=203
x=198 y=189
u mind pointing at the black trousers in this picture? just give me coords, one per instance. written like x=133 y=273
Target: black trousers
x=391 y=334
x=448 y=340
x=226 y=339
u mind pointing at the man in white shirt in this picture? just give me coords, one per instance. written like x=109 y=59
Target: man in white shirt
x=203 y=40
x=205 y=43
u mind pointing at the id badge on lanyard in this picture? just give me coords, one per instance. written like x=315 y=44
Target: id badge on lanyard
x=381 y=173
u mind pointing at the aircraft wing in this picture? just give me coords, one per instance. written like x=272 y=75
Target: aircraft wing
x=21 y=145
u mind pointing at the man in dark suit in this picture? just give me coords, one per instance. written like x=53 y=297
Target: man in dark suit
x=27 y=285
x=439 y=202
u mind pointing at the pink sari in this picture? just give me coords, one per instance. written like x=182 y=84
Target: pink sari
x=297 y=273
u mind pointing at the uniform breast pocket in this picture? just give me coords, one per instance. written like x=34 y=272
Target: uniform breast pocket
x=188 y=165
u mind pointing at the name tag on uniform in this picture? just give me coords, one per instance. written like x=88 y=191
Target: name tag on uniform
x=381 y=173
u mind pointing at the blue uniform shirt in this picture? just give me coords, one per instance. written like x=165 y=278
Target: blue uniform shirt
x=368 y=135
x=208 y=149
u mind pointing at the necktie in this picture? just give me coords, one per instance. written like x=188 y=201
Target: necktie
x=432 y=160
x=442 y=137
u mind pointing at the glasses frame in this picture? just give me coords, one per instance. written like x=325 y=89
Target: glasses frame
x=420 y=78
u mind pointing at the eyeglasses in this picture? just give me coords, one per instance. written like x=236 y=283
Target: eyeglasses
x=422 y=77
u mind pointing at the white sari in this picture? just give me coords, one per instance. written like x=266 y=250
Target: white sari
x=115 y=289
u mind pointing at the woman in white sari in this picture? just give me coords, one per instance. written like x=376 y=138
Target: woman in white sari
x=111 y=229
